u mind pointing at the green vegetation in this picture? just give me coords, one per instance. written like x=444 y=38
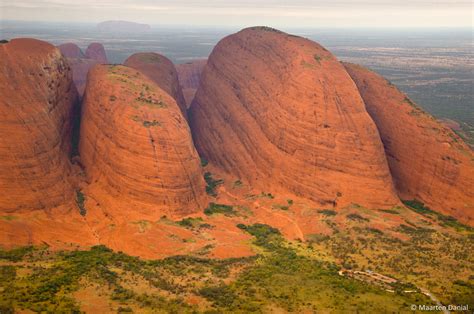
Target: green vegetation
x=211 y=184
x=80 y=200
x=17 y=254
x=283 y=276
x=317 y=58
x=444 y=220
x=282 y=207
x=237 y=184
x=149 y=58
x=307 y=65
x=146 y=98
x=390 y=211
x=327 y=212
x=204 y=162
x=113 y=98
x=8 y=217
x=357 y=217
x=267 y=195
x=267 y=29
x=429 y=259
x=214 y=208
x=411 y=103
x=4 y=41
x=191 y=223
x=148 y=124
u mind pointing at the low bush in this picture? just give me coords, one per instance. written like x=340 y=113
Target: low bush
x=357 y=217
x=211 y=184
x=214 y=208
x=80 y=201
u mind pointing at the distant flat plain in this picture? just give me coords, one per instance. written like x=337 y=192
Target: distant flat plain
x=434 y=67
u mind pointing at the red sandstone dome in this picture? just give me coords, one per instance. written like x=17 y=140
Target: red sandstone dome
x=96 y=51
x=162 y=71
x=189 y=75
x=281 y=112
x=38 y=96
x=428 y=161
x=136 y=146
x=80 y=63
x=71 y=50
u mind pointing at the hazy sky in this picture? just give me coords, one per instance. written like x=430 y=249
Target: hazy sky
x=330 y=13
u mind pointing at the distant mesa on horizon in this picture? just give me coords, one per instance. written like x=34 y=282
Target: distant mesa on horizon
x=122 y=26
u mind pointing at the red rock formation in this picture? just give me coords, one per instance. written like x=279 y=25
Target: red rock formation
x=189 y=75
x=35 y=112
x=428 y=161
x=136 y=146
x=70 y=50
x=80 y=63
x=281 y=112
x=80 y=68
x=161 y=70
x=96 y=51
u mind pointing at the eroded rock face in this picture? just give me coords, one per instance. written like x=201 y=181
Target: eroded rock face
x=96 y=51
x=38 y=96
x=280 y=111
x=189 y=75
x=136 y=146
x=428 y=161
x=160 y=70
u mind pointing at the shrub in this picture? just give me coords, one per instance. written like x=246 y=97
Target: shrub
x=214 y=208
x=444 y=220
x=204 y=162
x=268 y=195
x=327 y=212
x=190 y=222
x=211 y=184
x=17 y=254
x=149 y=124
x=266 y=236
x=357 y=217
x=80 y=200
x=237 y=183
x=220 y=295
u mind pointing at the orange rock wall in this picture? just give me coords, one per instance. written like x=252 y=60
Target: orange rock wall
x=428 y=161
x=281 y=112
x=35 y=111
x=136 y=144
